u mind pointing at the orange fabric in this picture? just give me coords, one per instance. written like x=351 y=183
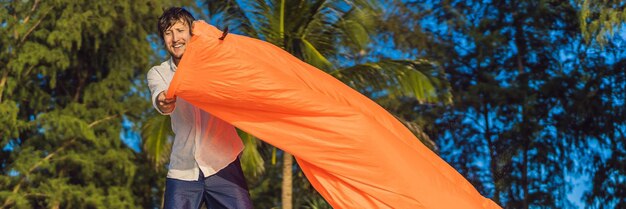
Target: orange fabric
x=353 y=152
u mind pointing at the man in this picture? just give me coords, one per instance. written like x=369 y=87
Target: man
x=204 y=164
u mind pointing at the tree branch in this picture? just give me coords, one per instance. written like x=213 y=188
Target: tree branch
x=3 y=81
x=31 y=29
x=32 y=9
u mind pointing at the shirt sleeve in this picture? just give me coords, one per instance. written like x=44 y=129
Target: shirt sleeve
x=157 y=84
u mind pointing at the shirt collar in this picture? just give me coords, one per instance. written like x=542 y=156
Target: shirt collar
x=172 y=64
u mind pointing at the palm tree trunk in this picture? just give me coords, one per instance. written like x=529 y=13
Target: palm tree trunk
x=287 y=190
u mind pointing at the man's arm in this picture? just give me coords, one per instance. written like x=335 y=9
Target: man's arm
x=158 y=87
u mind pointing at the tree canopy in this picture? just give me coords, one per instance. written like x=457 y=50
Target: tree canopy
x=518 y=97
x=69 y=80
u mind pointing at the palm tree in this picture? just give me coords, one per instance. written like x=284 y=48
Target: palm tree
x=322 y=33
x=325 y=32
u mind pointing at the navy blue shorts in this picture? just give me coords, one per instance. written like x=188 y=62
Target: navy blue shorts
x=226 y=189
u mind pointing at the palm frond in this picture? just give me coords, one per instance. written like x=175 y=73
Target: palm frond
x=251 y=160
x=231 y=13
x=268 y=16
x=312 y=56
x=308 y=15
x=331 y=26
x=156 y=133
x=357 y=24
x=316 y=202
x=417 y=79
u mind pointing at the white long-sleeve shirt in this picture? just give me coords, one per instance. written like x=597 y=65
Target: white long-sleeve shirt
x=201 y=141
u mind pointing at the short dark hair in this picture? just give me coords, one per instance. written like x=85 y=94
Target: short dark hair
x=171 y=16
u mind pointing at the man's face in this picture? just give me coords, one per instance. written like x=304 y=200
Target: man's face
x=176 y=38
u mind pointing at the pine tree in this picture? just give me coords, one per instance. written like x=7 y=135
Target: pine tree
x=535 y=107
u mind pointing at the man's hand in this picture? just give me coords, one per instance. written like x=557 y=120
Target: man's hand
x=164 y=104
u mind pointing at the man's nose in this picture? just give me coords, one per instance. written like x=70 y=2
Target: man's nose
x=174 y=36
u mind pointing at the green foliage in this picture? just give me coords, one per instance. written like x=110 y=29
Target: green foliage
x=533 y=104
x=9 y=110
x=251 y=160
x=72 y=73
x=418 y=79
x=310 y=30
x=156 y=133
x=600 y=19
